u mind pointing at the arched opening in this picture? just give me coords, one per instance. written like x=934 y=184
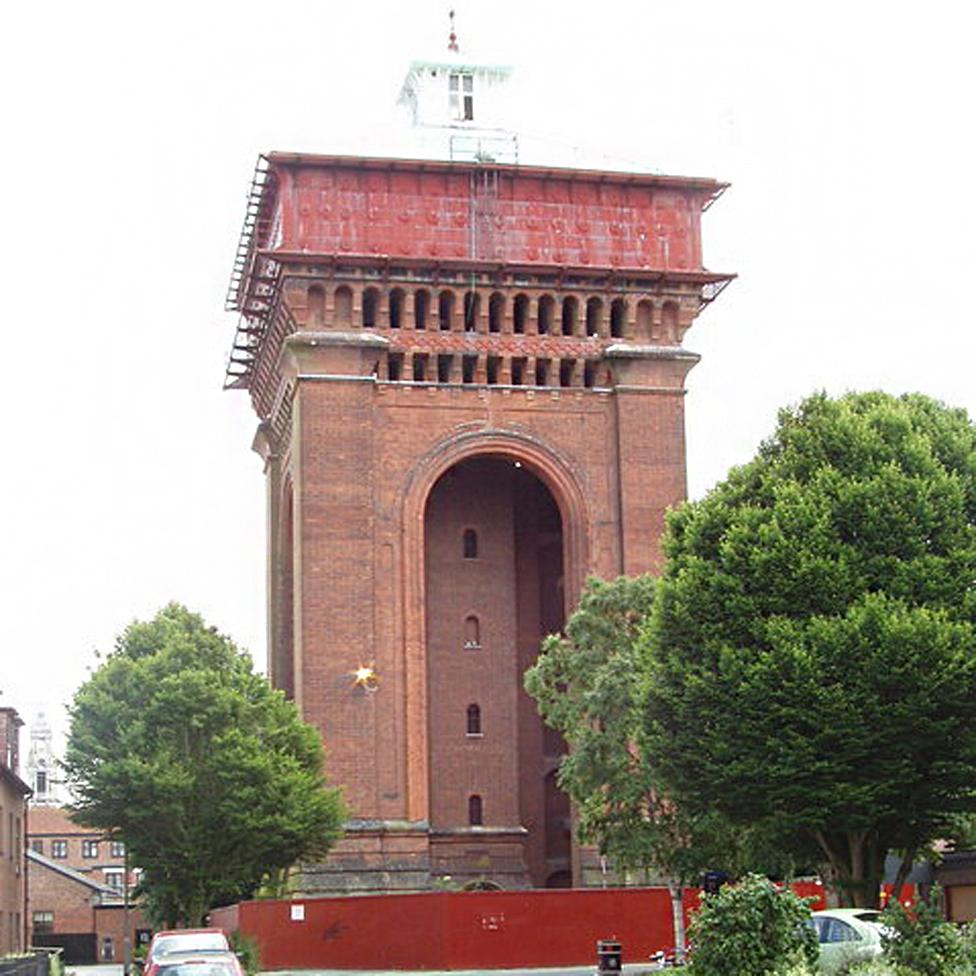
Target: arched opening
x=445 y=310
x=343 y=305
x=474 y=720
x=546 y=305
x=520 y=314
x=472 y=309
x=475 y=811
x=396 y=308
x=421 y=307
x=594 y=316
x=669 y=321
x=496 y=311
x=644 y=318
x=472 y=633
x=371 y=305
x=570 y=315
x=316 y=306
x=618 y=314
x=517 y=590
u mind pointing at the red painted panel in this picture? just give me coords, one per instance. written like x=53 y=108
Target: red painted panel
x=336 y=209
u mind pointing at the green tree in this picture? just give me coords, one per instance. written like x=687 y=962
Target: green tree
x=812 y=663
x=588 y=687
x=207 y=774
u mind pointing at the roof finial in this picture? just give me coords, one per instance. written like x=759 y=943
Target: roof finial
x=452 y=44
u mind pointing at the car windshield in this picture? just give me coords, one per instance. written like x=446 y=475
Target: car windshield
x=198 y=967
x=195 y=942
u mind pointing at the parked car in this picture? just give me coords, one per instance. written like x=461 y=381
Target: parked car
x=207 y=963
x=847 y=935
x=172 y=942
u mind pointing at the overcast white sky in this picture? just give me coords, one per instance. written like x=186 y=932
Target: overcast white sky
x=128 y=135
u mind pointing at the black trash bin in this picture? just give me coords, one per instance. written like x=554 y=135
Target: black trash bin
x=608 y=955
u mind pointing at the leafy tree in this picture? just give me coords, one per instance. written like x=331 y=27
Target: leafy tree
x=587 y=685
x=812 y=664
x=209 y=776
x=752 y=928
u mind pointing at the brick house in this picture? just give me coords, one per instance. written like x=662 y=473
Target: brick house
x=75 y=883
x=74 y=910
x=13 y=824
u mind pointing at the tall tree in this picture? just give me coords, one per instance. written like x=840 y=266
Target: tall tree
x=207 y=774
x=812 y=662
x=588 y=686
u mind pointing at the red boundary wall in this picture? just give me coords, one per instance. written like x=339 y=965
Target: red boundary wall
x=460 y=930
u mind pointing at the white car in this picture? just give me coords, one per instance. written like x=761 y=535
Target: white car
x=847 y=935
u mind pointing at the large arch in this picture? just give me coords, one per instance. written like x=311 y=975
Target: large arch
x=567 y=487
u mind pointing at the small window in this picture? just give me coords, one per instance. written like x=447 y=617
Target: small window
x=343 y=305
x=472 y=633
x=43 y=922
x=472 y=309
x=594 y=314
x=492 y=367
x=567 y=372
x=570 y=315
x=420 y=367
x=40 y=781
x=117 y=848
x=546 y=305
x=496 y=312
x=541 y=372
x=444 y=363
x=474 y=720
x=470 y=544
x=394 y=366
x=37 y=846
x=460 y=92
x=59 y=848
x=89 y=848
x=518 y=371
x=114 y=879
x=475 y=812
x=468 y=366
x=445 y=310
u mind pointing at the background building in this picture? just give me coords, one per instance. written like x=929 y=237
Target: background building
x=469 y=376
x=13 y=820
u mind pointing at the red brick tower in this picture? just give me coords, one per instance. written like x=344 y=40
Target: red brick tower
x=469 y=378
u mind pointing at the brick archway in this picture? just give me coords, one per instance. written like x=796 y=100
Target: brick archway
x=566 y=486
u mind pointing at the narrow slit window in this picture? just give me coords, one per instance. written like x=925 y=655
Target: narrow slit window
x=420 y=366
x=475 y=810
x=444 y=368
x=546 y=304
x=492 y=365
x=394 y=367
x=589 y=373
x=541 y=372
x=421 y=304
x=472 y=633
x=371 y=301
x=496 y=312
x=567 y=368
x=469 y=545
x=468 y=365
x=396 y=308
x=474 y=720
x=520 y=313
x=445 y=310
x=617 y=313
x=471 y=309
x=569 y=316
x=594 y=315
x=518 y=371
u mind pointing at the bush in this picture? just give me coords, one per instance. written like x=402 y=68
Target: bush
x=752 y=928
x=923 y=941
x=246 y=949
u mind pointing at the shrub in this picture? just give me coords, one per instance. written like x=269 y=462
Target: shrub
x=923 y=941
x=751 y=929
x=247 y=950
